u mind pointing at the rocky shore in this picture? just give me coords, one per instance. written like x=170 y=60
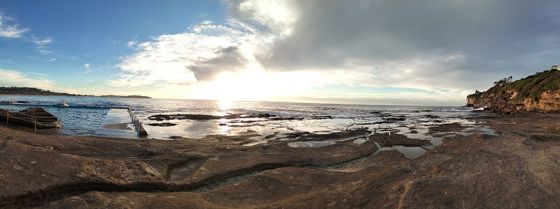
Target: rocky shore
x=516 y=168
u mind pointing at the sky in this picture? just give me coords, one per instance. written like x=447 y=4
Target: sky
x=409 y=52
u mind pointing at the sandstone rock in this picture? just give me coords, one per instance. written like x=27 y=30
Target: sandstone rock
x=475 y=171
x=539 y=92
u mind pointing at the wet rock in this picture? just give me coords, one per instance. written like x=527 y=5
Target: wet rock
x=285 y=118
x=348 y=134
x=204 y=117
x=385 y=114
x=420 y=111
x=162 y=124
x=265 y=115
x=451 y=127
x=381 y=122
x=388 y=118
x=162 y=117
x=321 y=117
x=176 y=137
x=395 y=119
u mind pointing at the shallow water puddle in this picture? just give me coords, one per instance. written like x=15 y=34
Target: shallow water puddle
x=409 y=152
x=311 y=144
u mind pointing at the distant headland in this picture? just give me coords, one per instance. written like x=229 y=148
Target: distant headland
x=539 y=92
x=40 y=92
x=32 y=91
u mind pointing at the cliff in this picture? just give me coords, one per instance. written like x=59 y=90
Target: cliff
x=539 y=92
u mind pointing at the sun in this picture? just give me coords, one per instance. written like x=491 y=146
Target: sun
x=245 y=86
x=254 y=85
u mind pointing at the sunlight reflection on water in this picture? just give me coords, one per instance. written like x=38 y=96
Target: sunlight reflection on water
x=314 y=118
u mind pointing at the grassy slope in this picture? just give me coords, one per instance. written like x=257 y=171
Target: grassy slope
x=533 y=86
x=530 y=87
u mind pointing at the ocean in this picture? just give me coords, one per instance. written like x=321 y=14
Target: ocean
x=262 y=121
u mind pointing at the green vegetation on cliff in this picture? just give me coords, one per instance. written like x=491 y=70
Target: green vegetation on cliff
x=533 y=86
x=539 y=92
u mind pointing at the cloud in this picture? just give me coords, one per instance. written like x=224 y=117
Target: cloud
x=273 y=16
x=226 y=60
x=180 y=59
x=17 y=78
x=88 y=68
x=10 y=30
x=42 y=44
x=15 y=31
x=131 y=43
x=453 y=44
x=458 y=45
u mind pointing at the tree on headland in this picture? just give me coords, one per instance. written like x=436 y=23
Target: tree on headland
x=504 y=81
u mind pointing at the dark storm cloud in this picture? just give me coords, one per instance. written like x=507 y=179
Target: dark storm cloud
x=492 y=37
x=227 y=59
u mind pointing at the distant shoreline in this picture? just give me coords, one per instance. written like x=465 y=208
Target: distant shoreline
x=128 y=96
x=77 y=95
x=28 y=91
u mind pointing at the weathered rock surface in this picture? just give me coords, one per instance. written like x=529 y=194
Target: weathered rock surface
x=477 y=171
x=37 y=169
x=539 y=92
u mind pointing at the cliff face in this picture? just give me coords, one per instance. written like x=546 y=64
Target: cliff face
x=548 y=101
x=539 y=92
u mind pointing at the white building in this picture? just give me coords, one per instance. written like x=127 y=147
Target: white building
x=555 y=67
